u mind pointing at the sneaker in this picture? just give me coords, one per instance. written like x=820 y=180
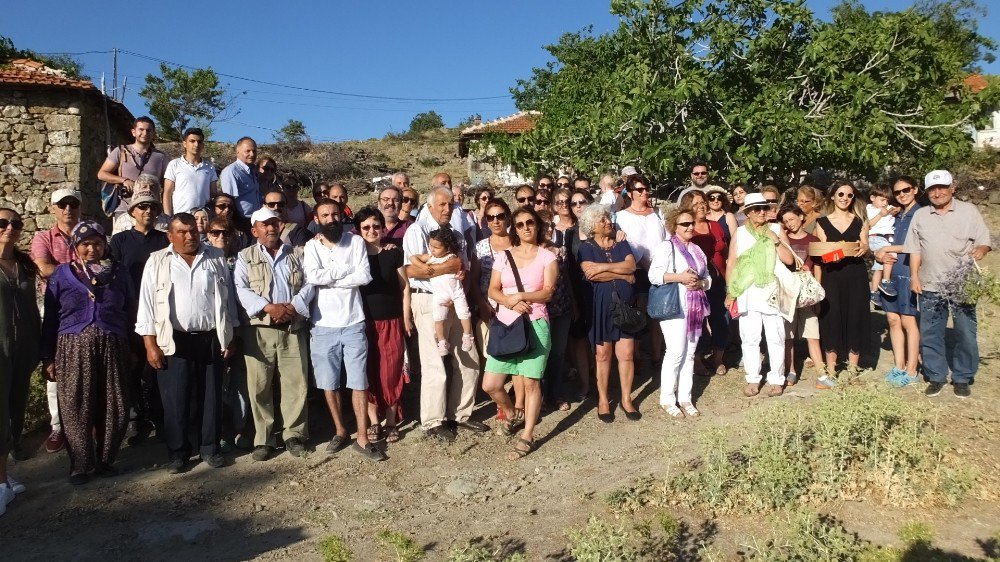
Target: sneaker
x=6 y=496
x=934 y=388
x=56 y=441
x=15 y=485
x=261 y=453
x=468 y=341
x=214 y=461
x=441 y=433
x=335 y=444
x=876 y=299
x=825 y=382
x=369 y=451
x=962 y=389
x=886 y=288
x=443 y=347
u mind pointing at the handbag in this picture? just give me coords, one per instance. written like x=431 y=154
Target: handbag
x=665 y=299
x=811 y=291
x=508 y=340
x=110 y=194
x=624 y=316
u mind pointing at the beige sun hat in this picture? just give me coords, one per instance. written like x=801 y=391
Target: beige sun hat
x=708 y=190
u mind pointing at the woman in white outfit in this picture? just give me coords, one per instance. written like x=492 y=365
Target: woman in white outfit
x=678 y=260
x=750 y=279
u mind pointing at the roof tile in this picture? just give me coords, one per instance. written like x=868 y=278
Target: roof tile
x=514 y=124
x=27 y=72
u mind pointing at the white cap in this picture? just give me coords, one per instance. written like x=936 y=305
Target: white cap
x=60 y=194
x=629 y=171
x=262 y=214
x=938 y=177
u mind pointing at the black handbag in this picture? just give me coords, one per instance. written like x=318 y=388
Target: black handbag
x=508 y=340
x=624 y=316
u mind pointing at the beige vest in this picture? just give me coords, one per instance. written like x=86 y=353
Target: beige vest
x=259 y=278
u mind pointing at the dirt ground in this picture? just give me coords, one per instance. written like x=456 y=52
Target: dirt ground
x=444 y=496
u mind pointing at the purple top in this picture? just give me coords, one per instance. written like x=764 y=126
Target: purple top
x=69 y=308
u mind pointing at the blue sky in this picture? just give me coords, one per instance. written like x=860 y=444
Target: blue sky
x=447 y=51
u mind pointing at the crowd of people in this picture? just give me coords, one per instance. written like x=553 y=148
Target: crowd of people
x=226 y=293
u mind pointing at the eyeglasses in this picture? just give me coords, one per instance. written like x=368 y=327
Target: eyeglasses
x=143 y=206
x=409 y=200
x=699 y=173
x=903 y=191
x=541 y=201
x=561 y=202
x=16 y=224
x=525 y=199
x=757 y=209
x=685 y=224
x=715 y=197
x=70 y=204
x=578 y=203
x=224 y=206
x=530 y=223
x=640 y=189
x=218 y=233
x=370 y=227
x=387 y=199
x=484 y=198
x=845 y=195
x=276 y=204
x=544 y=185
x=496 y=217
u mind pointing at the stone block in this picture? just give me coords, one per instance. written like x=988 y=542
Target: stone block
x=28 y=163
x=73 y=174
x=59 y=138
x=50 y=173
x=34 y=143
x=12 y=111
x=64 y=155
x=44 y=222
x=73 y=110
x=62 y=122
x=36 y=204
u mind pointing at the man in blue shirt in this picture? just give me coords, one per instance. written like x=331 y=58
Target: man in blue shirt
x=239 y=179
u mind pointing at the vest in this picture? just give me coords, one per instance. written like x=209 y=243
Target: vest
x=260 y=276
x=215 y=261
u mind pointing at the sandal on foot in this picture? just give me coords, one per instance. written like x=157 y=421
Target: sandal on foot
x=520 y=453
x=751 y=389
x=776 y=390
x=673 y=411
x=690 y=410
x=508 y=427
x=391 y=434
x=374 y=433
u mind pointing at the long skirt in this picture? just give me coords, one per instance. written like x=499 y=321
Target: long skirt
x=385 y=364
x=90 y=370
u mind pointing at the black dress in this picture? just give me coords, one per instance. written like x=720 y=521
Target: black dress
x=844 y=320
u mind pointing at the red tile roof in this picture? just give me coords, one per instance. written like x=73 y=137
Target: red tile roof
x=515 y=124
x=976 y=83
x=27 y=72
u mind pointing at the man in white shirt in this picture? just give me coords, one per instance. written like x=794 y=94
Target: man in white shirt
x=239 y=179
x=189 y=181
x=336 y=263
x=441 y=400
x=186 y=318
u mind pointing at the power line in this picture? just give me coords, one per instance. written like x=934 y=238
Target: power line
x=304 y=89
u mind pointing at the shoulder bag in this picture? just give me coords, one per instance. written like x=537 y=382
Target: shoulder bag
x=110 y=196
x=811 y=291
x=664 y=299
x=508 y=340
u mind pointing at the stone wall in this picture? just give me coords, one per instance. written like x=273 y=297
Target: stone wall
x=49 y=140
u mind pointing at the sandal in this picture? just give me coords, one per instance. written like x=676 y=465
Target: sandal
x=391 y=434
x=690 y=410
x=374 y=433
x=751 y=389
x=508 y=427
x=776 y=390
x=673 y=411
x=519 y=414
x=519 y=453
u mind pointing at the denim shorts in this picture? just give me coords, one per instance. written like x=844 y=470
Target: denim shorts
x=336 y=350
x=875 y=243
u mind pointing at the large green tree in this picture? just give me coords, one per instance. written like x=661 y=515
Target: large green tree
x=758 y=88
x=178 y=99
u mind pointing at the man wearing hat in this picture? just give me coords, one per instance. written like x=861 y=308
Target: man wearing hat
x=944 y=241
x=272 y=291
x=130 y=250
x=49 y=249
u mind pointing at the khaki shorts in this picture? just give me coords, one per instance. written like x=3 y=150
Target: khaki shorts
x=805 y=325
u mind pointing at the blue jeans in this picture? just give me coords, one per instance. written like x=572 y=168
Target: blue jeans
x=934 y=311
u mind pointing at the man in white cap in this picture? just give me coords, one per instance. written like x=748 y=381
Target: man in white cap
x=944 y=241
x=272 y=291
x=49 y=249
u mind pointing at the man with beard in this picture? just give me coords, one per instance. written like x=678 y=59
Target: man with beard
x=336 y=263
x=186 y=317
x=389 y=201
x=270 y=285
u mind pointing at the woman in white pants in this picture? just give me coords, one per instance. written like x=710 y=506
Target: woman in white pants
x=678 y=260
x=750 y=279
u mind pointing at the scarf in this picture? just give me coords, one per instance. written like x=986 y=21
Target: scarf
x=756 y=266
x=697 y=301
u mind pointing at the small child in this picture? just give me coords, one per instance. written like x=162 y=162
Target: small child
x=881 y=227
x=446 y=289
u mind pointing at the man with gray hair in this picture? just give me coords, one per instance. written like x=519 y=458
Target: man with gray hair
x=389 y=201
x=442 y=401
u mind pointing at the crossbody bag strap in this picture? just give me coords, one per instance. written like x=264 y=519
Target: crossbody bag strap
x=513 y=268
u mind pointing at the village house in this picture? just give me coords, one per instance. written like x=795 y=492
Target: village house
x=481 y=159
x=54 y=134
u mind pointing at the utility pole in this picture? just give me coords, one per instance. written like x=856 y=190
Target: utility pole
x=114 y=80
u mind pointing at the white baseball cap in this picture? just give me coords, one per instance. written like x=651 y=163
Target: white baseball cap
x=60 y=194
x=263 y=214
x=629 y=171
x=938 y=177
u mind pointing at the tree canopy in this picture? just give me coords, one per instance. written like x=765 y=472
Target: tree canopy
x=757 y=88
x=426 y=121
x=292 y=133
x=178 y=99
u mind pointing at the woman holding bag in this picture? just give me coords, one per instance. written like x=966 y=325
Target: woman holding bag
x=679 y=261
x=523 y=280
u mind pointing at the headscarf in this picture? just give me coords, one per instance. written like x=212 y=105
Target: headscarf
x=697 y=302
x=96 y=272
x=755 y=267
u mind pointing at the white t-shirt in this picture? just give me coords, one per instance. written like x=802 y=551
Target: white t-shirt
x=644 y=232
x=885 y=225
x=192 y=183
x=609 y=197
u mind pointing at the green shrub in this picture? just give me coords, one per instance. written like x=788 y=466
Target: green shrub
x=333 y=549
x=810 y=537
x=854 y=443
x=631 y=497
x=37 y=413
x=600 y=541
x=916 y=532
x=479 y=552
x=401 y=545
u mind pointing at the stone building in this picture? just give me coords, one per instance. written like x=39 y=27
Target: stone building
x=54 y=133
x=482 y=161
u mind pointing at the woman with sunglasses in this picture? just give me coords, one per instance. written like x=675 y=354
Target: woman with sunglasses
x=580 y=354
x=564 y=217
x=478 y=215
x=810 y=200
x=538 y=272
x=20 y=328
x=679 y=260
x=718 y=210
x=844 y=317
x=386 y=303
x=609 y=266
x=84 y=348
x=224 y=207
x=267 y=178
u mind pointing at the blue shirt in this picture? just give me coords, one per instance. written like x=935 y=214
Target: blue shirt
x=240 y=181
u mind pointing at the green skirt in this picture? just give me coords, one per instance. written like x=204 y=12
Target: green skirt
x=530 y=364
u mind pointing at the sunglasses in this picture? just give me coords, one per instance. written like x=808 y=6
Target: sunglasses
x=578 y=203
x=530 y=223
x=699 y=173
x=16 y=224
x=541 y=201
x=525 y=199
x=685 y=224
x=409 y=200
x=903 y=191
x=562 y=184
x=496 y=217
x=561 y=202
x=544 y=185
x=276 y=204
x=70 y=204
x=757 y=209
x=224 y=206
x=218 y=233
x=370 y=227
x=484 y=198
x=715 y=197
x=775 y=201
x=640 y=189
x=845 y=194
x=144 y=206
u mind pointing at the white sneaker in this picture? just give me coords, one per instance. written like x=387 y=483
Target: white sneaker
x=15 y=485
x=6 y=496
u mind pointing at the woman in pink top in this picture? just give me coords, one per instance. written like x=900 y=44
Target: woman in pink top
x=538 y=271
